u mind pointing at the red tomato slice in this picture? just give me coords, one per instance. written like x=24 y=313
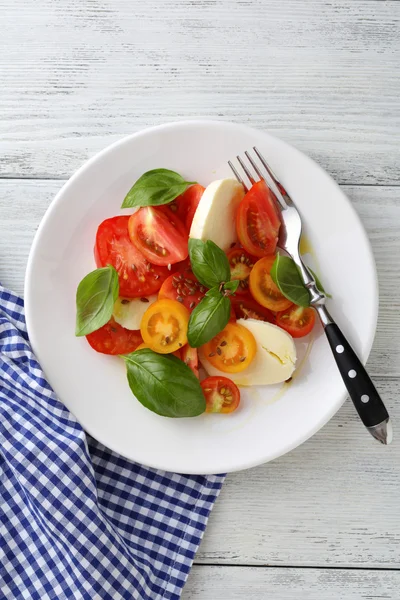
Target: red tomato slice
x=257 y=221
x=184 y=206
x=112 y=338
x=137 y=277
x=183 y=287
x=221 y=394
x=159 y=235
x=241 y=264
x=246 y=307
x=296 y=320
x=190 y=358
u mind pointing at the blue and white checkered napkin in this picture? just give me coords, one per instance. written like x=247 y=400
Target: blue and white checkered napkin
x=78 y=521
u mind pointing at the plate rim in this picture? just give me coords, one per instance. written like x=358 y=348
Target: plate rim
x=298 y=441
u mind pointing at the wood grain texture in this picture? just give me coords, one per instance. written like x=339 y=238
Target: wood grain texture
x=76 y=76
x=230 y=583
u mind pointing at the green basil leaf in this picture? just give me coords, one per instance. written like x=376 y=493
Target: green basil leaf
x=232 y=286
x=95 y=298
x=156 y=187
x=164 y=384
x=286 y=276
x=209 y=317
x=209 y=263
x=319 y=284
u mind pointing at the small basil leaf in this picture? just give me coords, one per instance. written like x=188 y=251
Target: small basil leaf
x=95 y=298
x=164 y=384
x=156 y=187
x=208 y=318
x=209 y=263
x=232 y=286
x=319 y=284
x=286 y=276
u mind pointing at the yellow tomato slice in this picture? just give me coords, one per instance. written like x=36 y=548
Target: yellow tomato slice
x=232 y=350
x=263 y=289
x=164 y=326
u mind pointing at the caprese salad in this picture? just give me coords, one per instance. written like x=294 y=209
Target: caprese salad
x=191 y=278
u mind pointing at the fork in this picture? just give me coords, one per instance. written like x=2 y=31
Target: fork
x=362 y=391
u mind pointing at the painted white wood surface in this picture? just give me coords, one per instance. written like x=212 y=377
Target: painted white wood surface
x=76 y=75
x=212 y=583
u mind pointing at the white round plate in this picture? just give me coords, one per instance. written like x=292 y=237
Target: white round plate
x=270 y=421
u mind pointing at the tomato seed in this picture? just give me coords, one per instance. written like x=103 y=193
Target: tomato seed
x=144 y=300
x=167 y=339
x=169 y=266
x=164 y=252
x=180 y=299
x=133 y=267
x=180 y=345
x=125 y=301
x=211 y=354
x=192 y=304
x=156 y=277
x=148 y=266
x=141 y=278
x=219 y=351
x=224 y=343
x=242 y=358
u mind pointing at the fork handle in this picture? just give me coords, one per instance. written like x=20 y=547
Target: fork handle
x=362 y=391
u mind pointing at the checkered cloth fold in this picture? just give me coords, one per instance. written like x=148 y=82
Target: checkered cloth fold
x=76 y=520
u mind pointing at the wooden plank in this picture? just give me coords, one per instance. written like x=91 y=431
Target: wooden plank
x=233 y=583
x=76 y=76
x=23 y=203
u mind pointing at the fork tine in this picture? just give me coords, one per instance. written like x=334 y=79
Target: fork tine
x=278 y=200
x=246 y=170
x=236 y=174
x=270 y=171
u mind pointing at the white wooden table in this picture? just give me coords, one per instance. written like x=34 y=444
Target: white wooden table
x=322 y=523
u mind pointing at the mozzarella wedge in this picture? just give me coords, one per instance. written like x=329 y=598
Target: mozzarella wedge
x=215 y=216
x=128 y=312
x=274 y=361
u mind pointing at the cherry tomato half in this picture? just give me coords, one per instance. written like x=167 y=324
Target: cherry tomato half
x=112 y=338
x=183 y=287
x=241 y=264
x=221 y=394
x=137 y=277
x=159 y=235
x=232 y=350
x=297 y=321
x=257 y=221
x=164 y=326
x=190 y=358
x=263 y=289
x=246 y=307
x=185 y=205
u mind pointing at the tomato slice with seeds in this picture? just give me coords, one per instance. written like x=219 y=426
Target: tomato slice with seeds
x=183 y=287
x=246 y=307
x=222 y=395
x=185 y=205
x=241 y=263
x=159 y=235
x=164 y=326
x=190 y=358
x=257 y=221
x=263 y=289
x=112 y=338
x=137 y=277
x=297 y=321
x=232 y=350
